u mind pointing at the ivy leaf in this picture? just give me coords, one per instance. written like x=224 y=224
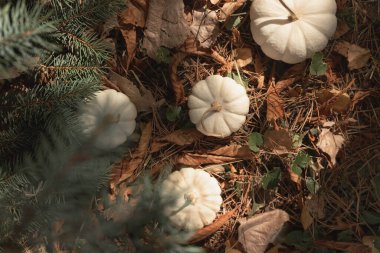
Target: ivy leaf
x=312 y=185
x=301 y=161
x=317 y=66
x=299 y=239
x=172 y=113
x=255 y=140
x=163 y=55
x=271 y=179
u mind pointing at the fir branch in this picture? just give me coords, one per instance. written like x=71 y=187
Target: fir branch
x=22 y=37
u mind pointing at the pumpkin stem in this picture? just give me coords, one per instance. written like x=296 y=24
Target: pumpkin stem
x=292 y=17
x=216 y=106
x=191 y=197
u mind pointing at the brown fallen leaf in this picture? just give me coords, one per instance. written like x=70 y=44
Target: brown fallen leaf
x=347 y=247
x=359 y=96
x=205 y=27
x=176 y=82
x=212 y=228
x=357 y=57
x=229 y=8
x=144 y=100
x=316 y=206
x=166 y=25
x=335 y=100
x=179 y=137
x=126 y=168
x=243 y=56
x=132 y=15
x=275 y=104
x=291 y=75
x=278 y=141
x=258 y=231
x=306 y=218
x=330 y=143
x=259 y=69
x=219 y=155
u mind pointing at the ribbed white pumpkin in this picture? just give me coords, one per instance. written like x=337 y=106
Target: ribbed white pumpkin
x=191 y=197
x=109 y=118
x=292 y=38
x=218 y=106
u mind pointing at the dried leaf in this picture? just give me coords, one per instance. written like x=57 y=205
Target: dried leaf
x=219 y=155
x=144 y=101
x=347 y=247
x=205 y=27
x=316 y=206
x=306 y=218
x=229 y=8
x=278 y=141
x=132 y=15
x=214 y=1
x=330 y=143
x=359 y=96
x=292 y=75
x=369 y=241
x=212 y=228
x=341 y=29
x=357 y=57
x=257 y=232
x=166 y=25
x=179 y=137
x=176 y=82
x=334 y=100
x=259 y=69
x=130 y=40
x=243 y=56
x=275 y=104
x=128 y=166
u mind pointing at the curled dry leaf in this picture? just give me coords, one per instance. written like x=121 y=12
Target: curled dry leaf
x=176 y=82
x=127 y=167
x=179 y=137
x=278 y=141
x=347 y=247
x=275 y=104
x=257 y=232
x=212 y=228
x=243 y=56
x=330 y=143
x=165 y=25
x=357 y=57
x=205 y=27
x=144 y=100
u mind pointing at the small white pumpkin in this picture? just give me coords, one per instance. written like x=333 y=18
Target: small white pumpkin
x=292 y=30
x=109 y=117
x=218 y=106
x=191 y=197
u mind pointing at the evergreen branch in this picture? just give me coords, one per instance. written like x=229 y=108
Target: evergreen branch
x=22 y=37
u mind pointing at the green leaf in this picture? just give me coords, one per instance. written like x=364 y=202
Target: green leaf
x=173 y=112
x=317 y=66
x=296 y=169
x=163 y=55
x=376 y=185
x=312 y=185
x=299 y=239
x=232 y=22
x=297 y=140
x=302 y=160
x=370 y=218
x=255 y=140
x=346 y=236
x=271 y=179
x=376 y=243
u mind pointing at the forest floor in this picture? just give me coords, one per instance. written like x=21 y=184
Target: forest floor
x=315 y=126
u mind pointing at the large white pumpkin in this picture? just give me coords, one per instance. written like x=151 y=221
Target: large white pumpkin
x=109 y=118
x=292 y=30
x=191 y=197
x=218 y=106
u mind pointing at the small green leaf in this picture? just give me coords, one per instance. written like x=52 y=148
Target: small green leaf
x=376 y=243
x=346 y=236
x=370 y=218
x=299 y=239
x=271 y=179
x=296 y=169
x=163 y=55
x=255 y=140
x=172 y=113
x=297 y=141
x=376 y=185
x=232 y=22
x=312 y=185
x=302 y=160
x=317 y=66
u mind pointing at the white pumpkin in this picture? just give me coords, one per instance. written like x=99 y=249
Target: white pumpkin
x=191 y=197
x=109 y=118
x=292 y=30
x=218 y=106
